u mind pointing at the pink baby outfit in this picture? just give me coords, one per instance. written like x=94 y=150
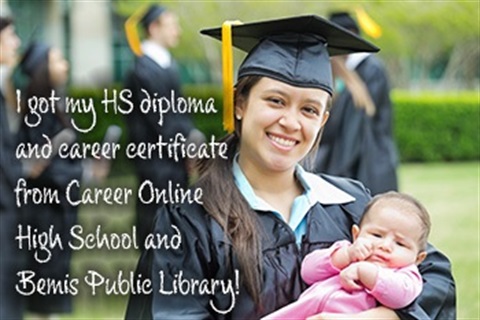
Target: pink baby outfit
x=395 y=288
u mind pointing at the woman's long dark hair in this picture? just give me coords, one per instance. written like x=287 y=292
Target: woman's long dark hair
x=309 y=161
x=41 y=85
x=229 y=208
x=5 y=22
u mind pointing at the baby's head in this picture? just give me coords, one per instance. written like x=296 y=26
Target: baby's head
x=398 y=227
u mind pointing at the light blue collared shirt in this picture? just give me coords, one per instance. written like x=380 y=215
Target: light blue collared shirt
x=316 y=190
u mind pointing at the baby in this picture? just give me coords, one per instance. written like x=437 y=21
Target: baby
x=379 y=266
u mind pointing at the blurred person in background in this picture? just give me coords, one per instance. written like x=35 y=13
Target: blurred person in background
x=10 y=172
x=46 y=69
x=156 y=72
x=358 y=139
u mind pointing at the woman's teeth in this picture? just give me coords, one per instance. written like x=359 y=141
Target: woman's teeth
x=282 y=141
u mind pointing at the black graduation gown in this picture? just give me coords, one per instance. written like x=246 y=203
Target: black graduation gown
x=357 y=146
x=10 y=166
x=10 y=261
x=202 y=255
x=61 y=216
x=143 y=127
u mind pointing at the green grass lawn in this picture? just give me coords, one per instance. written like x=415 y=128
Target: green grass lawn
x=450 y=191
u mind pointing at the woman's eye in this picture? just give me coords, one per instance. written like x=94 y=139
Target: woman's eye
x=311 y=110
x=276 y=101
x=377 y=235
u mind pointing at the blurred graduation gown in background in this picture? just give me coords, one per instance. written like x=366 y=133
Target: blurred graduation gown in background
x=10 y=260
x=354 y=144
x=156 y=72
x=56 y=176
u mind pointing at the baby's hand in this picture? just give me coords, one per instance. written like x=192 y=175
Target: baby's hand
x=360 y=250
x=349 y=278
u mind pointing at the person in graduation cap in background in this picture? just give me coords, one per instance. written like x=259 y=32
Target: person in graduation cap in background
x=46 y=69
x=262 y=212
x=10 y=172
x=358 y=139
x=156 y=72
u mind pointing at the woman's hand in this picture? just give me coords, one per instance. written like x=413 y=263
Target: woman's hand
x=326 y=316
x=33 y=168
x=355 y=85
x=360 y=95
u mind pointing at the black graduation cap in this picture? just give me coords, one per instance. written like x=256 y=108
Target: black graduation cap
x=35 y=54
x=153 y=12
x=145 y=16
x=345 y=20
x=294 y=50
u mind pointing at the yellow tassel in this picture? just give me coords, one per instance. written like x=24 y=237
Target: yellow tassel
x=227 y=70
x=132 y=33
x=370 y=27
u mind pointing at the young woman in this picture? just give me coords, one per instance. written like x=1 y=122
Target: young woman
x=10 y=172
x=237 y=255
x=46 y=69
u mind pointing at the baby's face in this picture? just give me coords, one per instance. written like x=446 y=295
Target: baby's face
x=394 y=236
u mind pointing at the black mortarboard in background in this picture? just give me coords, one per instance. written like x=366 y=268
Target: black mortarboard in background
x=345 y=20
x=153 y=12
x=35 y=54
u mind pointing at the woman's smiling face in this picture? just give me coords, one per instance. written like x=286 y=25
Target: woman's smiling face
x=280 y=124
x=9 y=43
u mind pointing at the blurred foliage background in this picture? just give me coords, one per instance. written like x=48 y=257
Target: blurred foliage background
x=430 y=48
x=432 y=52
x=425 y=44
